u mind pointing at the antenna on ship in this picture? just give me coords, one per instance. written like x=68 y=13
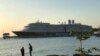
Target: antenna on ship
x=59 y=22
x=37 y=21
x=64 y=22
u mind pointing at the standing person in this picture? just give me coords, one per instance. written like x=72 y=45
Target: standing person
x=30 y=49
x=22 y=51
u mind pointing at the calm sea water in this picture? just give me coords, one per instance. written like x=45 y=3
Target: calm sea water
x=46 y=46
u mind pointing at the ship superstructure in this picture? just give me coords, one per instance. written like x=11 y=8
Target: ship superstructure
x=40 y=29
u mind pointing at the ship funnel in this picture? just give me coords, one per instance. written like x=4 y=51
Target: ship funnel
x=73 y=21
x=69 y=21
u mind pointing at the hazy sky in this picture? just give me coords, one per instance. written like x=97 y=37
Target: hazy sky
x=15 y=14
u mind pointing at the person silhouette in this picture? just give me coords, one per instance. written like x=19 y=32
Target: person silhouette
x=22 y=51
x=30 y=49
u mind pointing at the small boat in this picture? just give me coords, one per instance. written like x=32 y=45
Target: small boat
x=6 y=35
x=98 y=33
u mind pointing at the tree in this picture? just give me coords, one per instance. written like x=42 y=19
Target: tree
x=81 y=36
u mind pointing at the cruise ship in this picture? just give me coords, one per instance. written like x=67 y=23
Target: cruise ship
x=40 y=29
